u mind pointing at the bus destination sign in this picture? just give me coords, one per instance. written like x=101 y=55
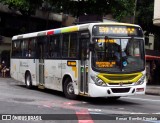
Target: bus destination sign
x=117 y=30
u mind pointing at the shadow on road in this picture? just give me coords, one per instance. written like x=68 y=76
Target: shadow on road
x=105 y=101
x=89 y=100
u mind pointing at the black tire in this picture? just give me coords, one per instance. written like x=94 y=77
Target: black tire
x=113 y=98
x=68 y=89
x=28 y=80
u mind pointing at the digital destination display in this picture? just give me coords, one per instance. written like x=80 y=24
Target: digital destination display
x=105 y=40
x=105 y=64
x=117 y=30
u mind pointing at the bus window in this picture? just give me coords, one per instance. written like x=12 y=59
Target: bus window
x=32 y=47
x=28 y=48
x=24 y=48
x=41 y=52
x=70 y=46
x=54 y=47
x=16 y=49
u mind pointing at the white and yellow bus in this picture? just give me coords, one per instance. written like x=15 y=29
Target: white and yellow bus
x=94 y=59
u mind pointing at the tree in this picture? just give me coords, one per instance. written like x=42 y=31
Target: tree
x=26 y=7
x=118 y=8
x=144 y=17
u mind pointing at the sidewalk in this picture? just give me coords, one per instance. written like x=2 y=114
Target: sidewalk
x=153 y=89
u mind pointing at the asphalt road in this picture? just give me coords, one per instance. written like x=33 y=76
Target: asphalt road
x=22 y=103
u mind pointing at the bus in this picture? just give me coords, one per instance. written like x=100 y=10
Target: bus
x=91 y=59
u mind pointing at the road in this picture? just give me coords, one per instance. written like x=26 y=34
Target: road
x=15 y=99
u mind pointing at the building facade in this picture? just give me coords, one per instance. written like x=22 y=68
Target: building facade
x=156 y=18
x=152 y=55
x=12 y=23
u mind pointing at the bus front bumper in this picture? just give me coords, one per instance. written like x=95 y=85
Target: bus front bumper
x=111 y=91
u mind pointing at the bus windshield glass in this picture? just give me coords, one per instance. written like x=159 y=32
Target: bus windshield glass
x=115 y=55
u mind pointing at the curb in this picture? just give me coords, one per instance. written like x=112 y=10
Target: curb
x=153 y=91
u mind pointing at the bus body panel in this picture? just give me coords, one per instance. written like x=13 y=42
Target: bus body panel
x=53 y=74
x=72 y=72
x=20 y=66
x=14 y=68
x=55 y=70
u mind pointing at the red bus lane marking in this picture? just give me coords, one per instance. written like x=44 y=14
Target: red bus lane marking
x=84 y=116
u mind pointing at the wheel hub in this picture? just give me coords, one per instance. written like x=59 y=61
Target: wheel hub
x=70 y=89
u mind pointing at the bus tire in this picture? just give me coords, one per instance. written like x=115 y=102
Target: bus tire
x=113 y=98
x=28 y=80
x=69 y=89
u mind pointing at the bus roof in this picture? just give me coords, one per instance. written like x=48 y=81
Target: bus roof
x=74 y=28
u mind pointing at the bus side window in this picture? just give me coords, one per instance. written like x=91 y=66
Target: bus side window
x=24 y=48
x=32 y=47
x=70 y=46
x=54 y=47
x=73 y=45
x=40 y=44
x=16 y=49
x=65 y=45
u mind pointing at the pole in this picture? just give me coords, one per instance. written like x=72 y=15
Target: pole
x=134 y=15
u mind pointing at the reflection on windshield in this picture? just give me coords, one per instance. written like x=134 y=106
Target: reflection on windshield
x=115 y=55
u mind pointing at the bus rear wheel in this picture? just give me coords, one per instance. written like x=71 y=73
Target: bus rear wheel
x=69 y=89
x=28 y=80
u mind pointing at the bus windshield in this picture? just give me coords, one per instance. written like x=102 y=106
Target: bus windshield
x=114 y=55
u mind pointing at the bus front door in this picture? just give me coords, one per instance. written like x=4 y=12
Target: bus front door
x=84 y=66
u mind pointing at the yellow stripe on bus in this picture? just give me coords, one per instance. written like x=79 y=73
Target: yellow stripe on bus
x=75 y=71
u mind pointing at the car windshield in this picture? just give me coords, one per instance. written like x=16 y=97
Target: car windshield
x=118 y=55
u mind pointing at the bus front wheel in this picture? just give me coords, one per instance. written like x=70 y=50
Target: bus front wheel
x=69 y=89
x=28 y=80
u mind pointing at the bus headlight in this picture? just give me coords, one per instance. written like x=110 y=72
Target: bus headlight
x=140 y=81
x=98 y=81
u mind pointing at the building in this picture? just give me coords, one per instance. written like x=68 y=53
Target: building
x=153 y=56
x=156 y=18
x=12 y=22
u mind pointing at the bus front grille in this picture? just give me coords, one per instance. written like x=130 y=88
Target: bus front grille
x=120 y=90
x=119 y=77
x=129 y=83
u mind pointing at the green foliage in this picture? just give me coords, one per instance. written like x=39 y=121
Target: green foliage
x=119 y=8
x=123 y=8
x=144 y=16
x=26 y=7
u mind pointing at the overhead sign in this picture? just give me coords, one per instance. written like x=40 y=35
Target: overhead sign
x=117 y=30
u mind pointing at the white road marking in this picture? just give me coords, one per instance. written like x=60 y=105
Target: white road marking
x=157 y=113
x=98 y=110
x=153 y=121
x=141 y=99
